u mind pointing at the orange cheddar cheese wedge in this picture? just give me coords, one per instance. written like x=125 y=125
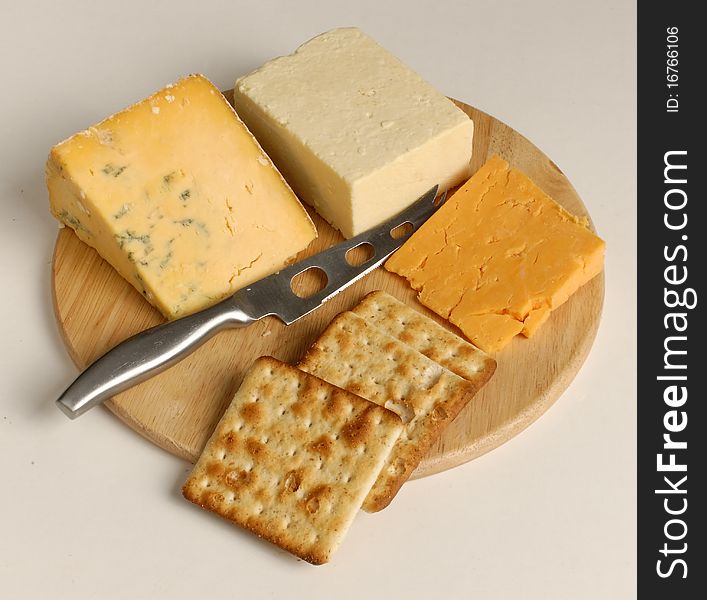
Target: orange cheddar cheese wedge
x=499 y=256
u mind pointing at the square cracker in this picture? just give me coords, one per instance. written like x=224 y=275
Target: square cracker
x=362 y=359
x=292 y=459
x=426 y=336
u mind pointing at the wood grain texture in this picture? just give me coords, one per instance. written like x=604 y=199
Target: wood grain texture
x=177 y=410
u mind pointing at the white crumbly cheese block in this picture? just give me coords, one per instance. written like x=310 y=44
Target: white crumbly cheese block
x=177 y=195
x=357 y=134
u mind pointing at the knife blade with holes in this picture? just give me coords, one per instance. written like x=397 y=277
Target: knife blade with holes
x=154 y=350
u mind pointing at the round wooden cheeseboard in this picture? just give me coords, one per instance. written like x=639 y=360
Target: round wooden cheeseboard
x=178 y=409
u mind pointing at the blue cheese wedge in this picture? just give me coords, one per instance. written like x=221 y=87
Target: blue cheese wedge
x=178 y=196
x=357 y=134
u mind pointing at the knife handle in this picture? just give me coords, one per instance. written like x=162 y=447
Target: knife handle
x=146 y=354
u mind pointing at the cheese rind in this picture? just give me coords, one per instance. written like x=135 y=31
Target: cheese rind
x=498 y=257
x=178 y=196
x=357 y=134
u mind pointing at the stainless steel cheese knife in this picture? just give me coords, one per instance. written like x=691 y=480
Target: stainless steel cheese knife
x=154 y=350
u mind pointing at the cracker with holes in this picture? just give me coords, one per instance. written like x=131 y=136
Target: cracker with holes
x=293 y=458
x=357 y=356
x=426 y=336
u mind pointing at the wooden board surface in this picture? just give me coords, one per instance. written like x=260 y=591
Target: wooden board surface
x=177 y=410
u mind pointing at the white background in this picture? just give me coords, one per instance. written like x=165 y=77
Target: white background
x=88 y=509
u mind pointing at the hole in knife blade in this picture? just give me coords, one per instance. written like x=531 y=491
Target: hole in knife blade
x=401 y=230
x=308 y=282
x=360 y=254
